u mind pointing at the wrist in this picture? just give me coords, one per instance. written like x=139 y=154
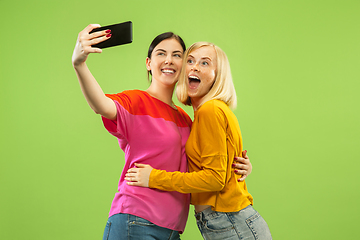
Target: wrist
x=79 y=65
x=151 y=177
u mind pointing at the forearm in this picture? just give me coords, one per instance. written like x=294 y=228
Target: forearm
x=93 y=93
x=208 y=180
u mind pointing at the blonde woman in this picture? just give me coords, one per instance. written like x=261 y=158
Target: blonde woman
x=223 y=204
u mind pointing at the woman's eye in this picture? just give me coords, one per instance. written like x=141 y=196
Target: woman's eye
x=189 y=61
x=160 y=54
x=205 y=63
x=177 y=55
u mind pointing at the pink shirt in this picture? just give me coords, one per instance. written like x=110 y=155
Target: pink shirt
x=151 y=132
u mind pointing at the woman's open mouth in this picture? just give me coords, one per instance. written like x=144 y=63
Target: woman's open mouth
x=194 y=81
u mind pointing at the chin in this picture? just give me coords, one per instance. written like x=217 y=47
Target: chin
x=192 y=95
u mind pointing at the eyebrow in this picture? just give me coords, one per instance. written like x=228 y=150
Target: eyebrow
x=162 y=50
x=200 y=58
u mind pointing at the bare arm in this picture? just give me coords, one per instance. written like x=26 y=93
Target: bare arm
x=90 y=88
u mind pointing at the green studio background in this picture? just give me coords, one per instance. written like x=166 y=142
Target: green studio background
x=296 y=70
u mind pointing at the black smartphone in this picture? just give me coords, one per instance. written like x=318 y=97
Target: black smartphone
x=121 y=33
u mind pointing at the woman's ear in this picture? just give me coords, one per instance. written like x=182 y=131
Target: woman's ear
x=148 y=61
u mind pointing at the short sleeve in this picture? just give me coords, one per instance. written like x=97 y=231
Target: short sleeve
x=119 y=127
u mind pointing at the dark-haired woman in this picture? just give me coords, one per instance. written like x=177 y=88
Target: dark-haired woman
x=150 y=129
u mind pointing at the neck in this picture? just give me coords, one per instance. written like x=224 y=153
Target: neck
x=195 y=102
x=162 y=92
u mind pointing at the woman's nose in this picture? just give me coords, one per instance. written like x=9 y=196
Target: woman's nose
x=195 y=67
x=168 y=60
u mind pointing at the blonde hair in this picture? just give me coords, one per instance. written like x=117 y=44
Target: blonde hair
x=223 y=88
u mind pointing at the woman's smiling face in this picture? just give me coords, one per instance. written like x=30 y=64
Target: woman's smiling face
x=201 y=72
x=166 y=62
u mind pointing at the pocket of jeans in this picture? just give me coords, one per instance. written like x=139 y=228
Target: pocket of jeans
x=219 y=223
x=107 y=230
x=258 y=227
x=141 y=221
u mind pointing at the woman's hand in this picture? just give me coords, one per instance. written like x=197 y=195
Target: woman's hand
x=139 y=176
x=85 y=41
x=243 y=167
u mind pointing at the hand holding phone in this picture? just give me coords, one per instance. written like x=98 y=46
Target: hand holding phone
x=121 y=33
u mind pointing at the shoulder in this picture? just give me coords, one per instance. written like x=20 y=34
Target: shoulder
x=130 y=99
x=212 y=107
x=134 y=92
x=131 y=93
x=212 y=115
x=215 y=111
x=127 y=95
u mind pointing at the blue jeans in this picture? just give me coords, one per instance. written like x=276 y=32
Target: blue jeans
x=245 y=224
x=125 y=226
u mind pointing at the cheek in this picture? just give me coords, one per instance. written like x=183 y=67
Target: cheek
x=211 y=77
x=179 y=63
x=187 y=69
x=179 y=66
x=155 y=65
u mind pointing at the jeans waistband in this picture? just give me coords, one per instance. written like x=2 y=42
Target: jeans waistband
x=202 y=214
